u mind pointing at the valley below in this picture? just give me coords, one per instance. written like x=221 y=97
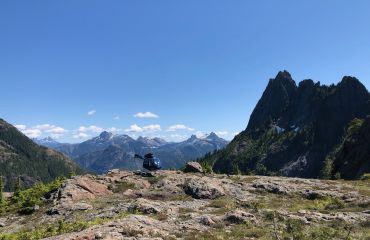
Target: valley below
x=176 y=205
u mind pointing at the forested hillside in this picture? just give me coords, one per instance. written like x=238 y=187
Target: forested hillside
x=21 y=157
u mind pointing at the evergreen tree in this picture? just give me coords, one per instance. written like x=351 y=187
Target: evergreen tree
x=17 y=187
x=71 y=174
x=1 y=190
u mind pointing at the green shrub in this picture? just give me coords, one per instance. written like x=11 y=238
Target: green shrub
x=25 y=201
x=207 y=167
x=295 y=229
x=256 y=206
x=51 y=230
x=261 y=169
x=337 y=176
x=365 y=177
x=326 y=172
x=354 y=125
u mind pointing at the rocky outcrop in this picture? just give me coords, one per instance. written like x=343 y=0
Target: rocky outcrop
x=193 y=167
x=71 y=196
x=178 y=205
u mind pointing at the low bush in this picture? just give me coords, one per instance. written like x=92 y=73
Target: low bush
x=26 y=201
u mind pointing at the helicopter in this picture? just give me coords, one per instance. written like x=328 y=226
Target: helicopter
x=150 y=162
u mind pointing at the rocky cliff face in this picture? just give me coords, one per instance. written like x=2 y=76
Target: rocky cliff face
x=177 y=205
x=275 y=101
x=293 y=128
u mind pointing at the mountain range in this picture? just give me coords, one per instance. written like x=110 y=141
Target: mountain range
x=306 y=130
x=302 y=131
x=108 y=151
x=21 y=157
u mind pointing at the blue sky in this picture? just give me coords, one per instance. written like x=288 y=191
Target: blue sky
x=198 y=66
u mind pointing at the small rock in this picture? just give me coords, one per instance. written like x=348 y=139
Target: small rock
x=144 y=206
x=366 y=212
x=113 y=171
x=53 y=211
x=239 y=217
x=144 y=173
x=81 y=206
x=129 y=193
x=98 y=235
x=271 y=187
x=313 y=195
x=206 y=220
x=302 y=211
x=193 y=167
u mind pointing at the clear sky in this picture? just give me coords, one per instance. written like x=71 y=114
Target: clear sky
x=74 y=67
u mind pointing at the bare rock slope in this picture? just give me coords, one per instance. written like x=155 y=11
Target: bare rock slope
x=177 y=205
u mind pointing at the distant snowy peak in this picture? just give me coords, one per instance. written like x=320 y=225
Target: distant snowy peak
x=47 y=139
x=122 y=137
x=106 y=136
x=152 y=142
x=192 y=139
x=212 y=136
x=47 y=142
x=108 y=150
x=160 y=140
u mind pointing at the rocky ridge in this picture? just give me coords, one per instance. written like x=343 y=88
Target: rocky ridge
x=177 y=205
x=294 y=128
x=108 y=151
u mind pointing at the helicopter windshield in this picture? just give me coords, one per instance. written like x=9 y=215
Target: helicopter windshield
x=156 y=160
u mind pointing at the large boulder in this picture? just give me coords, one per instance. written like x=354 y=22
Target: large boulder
x=203 y=188
x=271 y=187
x=193 y=167
x=144 y=206
x=239 y=217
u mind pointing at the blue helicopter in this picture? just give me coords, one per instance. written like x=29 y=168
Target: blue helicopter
x=150 y=162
